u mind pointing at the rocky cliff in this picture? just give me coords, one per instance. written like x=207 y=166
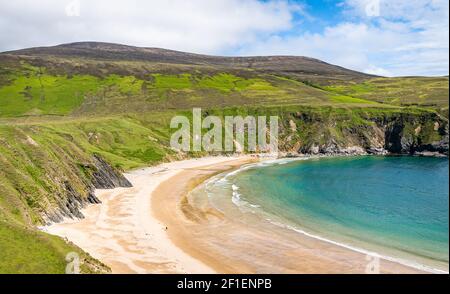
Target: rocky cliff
x=424 y=133
x=47 y=174
x=100 y=176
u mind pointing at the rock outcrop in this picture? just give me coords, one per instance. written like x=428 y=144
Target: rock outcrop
x=106 y=177
x=424 y=134
x=102 y=176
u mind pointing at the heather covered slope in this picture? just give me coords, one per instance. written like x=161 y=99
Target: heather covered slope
x=54 y=86
x=72 y=117
x=100 y=78
x=117 y=52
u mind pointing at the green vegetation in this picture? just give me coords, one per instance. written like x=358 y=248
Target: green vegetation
x=33 y=91
x=36 y=159
x=27 y=251
x=409 y=91
x=35 y=162
x=44 y=94
x=348 y=99
x=57 y=113
x=175 y=82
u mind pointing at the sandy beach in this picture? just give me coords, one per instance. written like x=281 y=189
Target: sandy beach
x=124 y=233
x=156 y=227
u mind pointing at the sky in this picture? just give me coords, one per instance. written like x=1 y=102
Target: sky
x=383 y=37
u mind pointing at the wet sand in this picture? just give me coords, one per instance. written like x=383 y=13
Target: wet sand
x=236 y=246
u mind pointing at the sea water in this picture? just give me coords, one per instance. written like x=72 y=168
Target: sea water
x=397 y=207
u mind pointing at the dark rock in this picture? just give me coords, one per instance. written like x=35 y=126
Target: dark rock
x=93 y=199
x=106 y=177
x=103 y=176
x=73 y=203
x=393 y=138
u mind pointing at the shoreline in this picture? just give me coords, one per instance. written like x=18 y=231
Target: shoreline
x=204 y=246
x=285 y=224
x=155 y=227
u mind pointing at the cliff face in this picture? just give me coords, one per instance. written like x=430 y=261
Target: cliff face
x=423 y=133
x=100 y=176
x=48 y=174
x=399 y=138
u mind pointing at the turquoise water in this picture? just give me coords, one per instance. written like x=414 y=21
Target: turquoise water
x=396 y=206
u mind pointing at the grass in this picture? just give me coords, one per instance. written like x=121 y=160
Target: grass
x=175 y=82
x=35 y=161
x=45 y=94
x=126 y=85
x=32 y=91
x=27 y=251
x=37 y=157
x=125 y=142
x=406 y=91
x=53 y=119
x=350 y=100
x=226 y=83
x=37 y=94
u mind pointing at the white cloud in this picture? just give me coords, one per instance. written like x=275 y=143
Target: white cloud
x=353 y=45
x=373 y=70
x=199 y=25
x=408 y=37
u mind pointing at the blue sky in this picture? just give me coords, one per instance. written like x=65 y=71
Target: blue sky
x=321 y=13
x=385 y=37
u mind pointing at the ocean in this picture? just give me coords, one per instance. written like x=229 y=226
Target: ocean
x=395 y=207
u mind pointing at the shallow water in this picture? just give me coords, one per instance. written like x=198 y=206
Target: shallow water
x=395 y=206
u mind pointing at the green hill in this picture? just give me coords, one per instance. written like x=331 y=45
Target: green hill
x=72 y=117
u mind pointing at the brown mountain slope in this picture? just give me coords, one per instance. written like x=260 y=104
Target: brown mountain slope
x=293 y=65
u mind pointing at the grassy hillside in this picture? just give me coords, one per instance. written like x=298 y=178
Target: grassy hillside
x=31 y=86
x=409 y=91
x=64 y=108
x=29 y=91
x=27 y=251
x=38 y=159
